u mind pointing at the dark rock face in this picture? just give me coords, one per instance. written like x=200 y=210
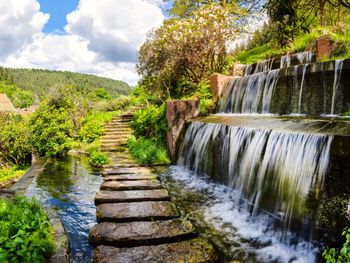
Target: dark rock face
x=141 y=211
x=131 y=196
x=140 y=233
x=131 y=185
x=191 y=251
x=177 y=112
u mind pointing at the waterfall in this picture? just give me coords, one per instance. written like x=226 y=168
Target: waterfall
x=306 y=57
x=302 y=87
x=285 y=61
x=249 y=94
x=263 y=66
x=338 y=66
x=273 y=171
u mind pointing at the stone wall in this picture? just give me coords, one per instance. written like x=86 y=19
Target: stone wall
x=177 y=113
x=218 y=83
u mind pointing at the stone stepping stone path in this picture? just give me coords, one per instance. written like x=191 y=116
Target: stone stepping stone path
x=137 y=222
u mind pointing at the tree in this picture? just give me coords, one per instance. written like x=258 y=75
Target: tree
x=186 y=49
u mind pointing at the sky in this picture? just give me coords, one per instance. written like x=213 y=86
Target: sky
x=88 y=36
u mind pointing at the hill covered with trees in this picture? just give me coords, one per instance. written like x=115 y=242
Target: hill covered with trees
x=36 y=83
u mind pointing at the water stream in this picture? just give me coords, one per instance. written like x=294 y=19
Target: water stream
x=69 y=185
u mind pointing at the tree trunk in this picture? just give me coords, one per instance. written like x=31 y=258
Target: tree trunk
x=323 y=20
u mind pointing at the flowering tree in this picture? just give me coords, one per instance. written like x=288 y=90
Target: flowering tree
x=189 y=49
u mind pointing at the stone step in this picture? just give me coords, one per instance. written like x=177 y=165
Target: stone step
x=141 y=233
x=130 y=177
x=114 y=137
x=114 y=149
x=103 y=197
x=113 y=141
x=196 y=250
x=140 y=211
x=117 y=133
x=134 y=170
x=116 y=129
x=131 y=185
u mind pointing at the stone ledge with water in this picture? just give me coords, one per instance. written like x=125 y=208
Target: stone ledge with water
x=280 y=144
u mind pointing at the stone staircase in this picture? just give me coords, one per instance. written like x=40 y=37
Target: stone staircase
x=137 y=222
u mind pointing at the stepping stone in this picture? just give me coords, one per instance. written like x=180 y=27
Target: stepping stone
x=140 y=211
x=130 y=177
x=131 y=196
x=191 y=251
x=131 y=185
x=141 y=233
x=133 y=170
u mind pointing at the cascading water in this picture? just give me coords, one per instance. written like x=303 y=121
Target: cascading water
x=249 y=94
x=338 y=65
x=263 y=66
x=302 y=87
x=274 y=172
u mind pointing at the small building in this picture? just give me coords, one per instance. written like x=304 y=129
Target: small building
x=6 y=105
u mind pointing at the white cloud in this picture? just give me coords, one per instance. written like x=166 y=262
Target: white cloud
x=102 y=37
x=20 y=20
x=115 y=29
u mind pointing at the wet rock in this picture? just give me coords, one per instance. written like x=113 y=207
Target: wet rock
x=130 y=177
x=131 y=185
x=141 y=233
x=191 y=251
x=131 y=196
x=141 y=211
x=133 y=170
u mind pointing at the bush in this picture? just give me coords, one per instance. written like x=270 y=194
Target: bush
x=150 y=122
x=26 y=234
x=15 y=141
x=9 y=173
x=147 y=151
x=332 y=255
x=52 y=130
x=98 y=159
x=91 y=131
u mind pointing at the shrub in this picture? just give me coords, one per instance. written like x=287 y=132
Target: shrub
x=9 y=173
x=52 y=130
x=15 y=141
x=147 y=151
x=333 y=255
x=150 y=122
x=26 y=234
x=91 y=131
x=98 y=159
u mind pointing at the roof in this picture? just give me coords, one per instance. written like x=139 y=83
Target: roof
x=6 y=105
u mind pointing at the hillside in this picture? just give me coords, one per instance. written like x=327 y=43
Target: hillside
x=39 y=81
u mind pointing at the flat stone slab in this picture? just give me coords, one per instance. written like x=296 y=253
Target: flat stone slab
x=191 y=251
x=130 y=177
x=141 y=233
x=139 y=211
x=133 y=170
x=131 y=185
x=131 y=196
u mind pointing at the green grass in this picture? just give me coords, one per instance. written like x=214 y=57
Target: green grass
x=98 y=159
x=26 y=234
x=10 y=173
x=147 y=151
x=257 y=54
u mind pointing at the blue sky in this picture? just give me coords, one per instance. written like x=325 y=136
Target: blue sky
x=58 y=9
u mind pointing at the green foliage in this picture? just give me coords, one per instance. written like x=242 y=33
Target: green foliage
x=186 y=50
x=20 y=98
x=259 y=53
x=150 y=122
x=39 y=81
x=98 y=159
x=333 y=255
x=53 y=127
x=147 y=151
x=15 y=141
x=26 y=234
x=100 y=93
x=91 y=131
x=9 y=173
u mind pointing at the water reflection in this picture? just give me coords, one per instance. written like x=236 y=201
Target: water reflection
x=69 y=185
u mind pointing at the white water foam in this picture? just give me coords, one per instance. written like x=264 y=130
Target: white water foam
x=237 y=226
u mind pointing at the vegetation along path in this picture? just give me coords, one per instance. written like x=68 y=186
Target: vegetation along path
x=137 y=222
